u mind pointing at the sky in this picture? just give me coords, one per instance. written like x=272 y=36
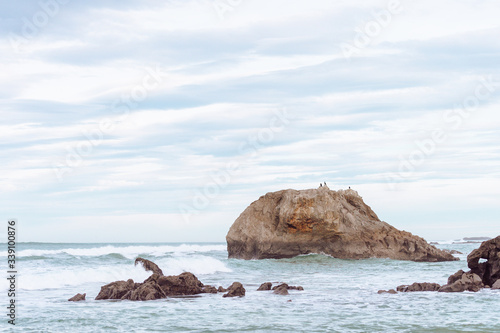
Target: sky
x=161 y=121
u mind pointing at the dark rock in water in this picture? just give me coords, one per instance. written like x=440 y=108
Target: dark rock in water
x=283 y=285
x=425 y=286
x=183 y=284
x=146 y=291
x=209 y=290
x=488 y=271
x=265 y=286
x=149 y=266
x=282 y=289
x=235 y=290
x=288 y=223
x=77 y=298
x=221 y=289
x=461 y=281
x=390 y=291
x=156 y=286
x=116 y=290
x=496 y=285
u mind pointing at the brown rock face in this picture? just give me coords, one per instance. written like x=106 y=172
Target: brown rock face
x=488 y=271
x=235 y=290
x=288 y=223
x=461 y=281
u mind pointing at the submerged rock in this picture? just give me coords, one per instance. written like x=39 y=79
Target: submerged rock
x=390 y=291
x=282 y=289
x=288 y=223
x=77 y=298
x=235 y=290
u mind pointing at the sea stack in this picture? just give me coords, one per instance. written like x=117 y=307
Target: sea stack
x=288 y=223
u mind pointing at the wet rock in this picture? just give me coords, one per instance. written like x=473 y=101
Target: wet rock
x=467 y=282
x=390 y=291
x=221 y=289
x=424 y=286
x=147 y=291
x=288 y=223
x=183 y=284
x=282 y=289
x=265 y=286
x=115 y=290
x=235 y=290
x=77 y=298
x=149 y=266
x=488 y=271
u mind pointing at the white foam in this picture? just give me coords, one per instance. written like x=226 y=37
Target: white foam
x=130 y=252
x=75 y=276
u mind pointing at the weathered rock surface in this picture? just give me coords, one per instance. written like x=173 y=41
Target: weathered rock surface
x=452 y=251
x=461 y=281
x=288 y=223
x=265 y=286
x=235 y=290
x=77 y=298
x=425 y=286
x=156 y=286
x=488 y=271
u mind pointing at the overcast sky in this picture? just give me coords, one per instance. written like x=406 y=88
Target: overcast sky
x=161 y=121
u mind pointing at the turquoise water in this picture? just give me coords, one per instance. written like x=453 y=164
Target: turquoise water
x=339 y=296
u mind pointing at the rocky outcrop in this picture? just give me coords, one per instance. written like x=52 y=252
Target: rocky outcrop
x=288 y=223
x=77 y=298
x=282 y=289
x=481 y=275
x=235 y=290
x=488 y=271
x=157 y=286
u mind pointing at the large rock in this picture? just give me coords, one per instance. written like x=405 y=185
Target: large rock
x=488 y=271
x=288 y=223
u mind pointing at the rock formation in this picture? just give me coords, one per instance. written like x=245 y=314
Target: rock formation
x=235 y=290
x=488 y=271
x=480 y=276
x=156 y=286
x=77 y=298
x=288 y=223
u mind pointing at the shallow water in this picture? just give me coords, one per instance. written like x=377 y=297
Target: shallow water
x=339 y=296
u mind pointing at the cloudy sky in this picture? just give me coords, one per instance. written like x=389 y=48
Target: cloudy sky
x=161 y=121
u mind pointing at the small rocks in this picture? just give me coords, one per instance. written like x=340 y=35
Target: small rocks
x=281 y=289
x=221 y=289
x=425 y=286
x=452 y=251
x=209 y=290
x=390 y=291
x=77 y=298
x=235 y=290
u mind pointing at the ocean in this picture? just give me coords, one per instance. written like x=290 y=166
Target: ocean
x=339 y=295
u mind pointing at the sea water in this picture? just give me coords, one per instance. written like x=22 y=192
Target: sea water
x=339 y=295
